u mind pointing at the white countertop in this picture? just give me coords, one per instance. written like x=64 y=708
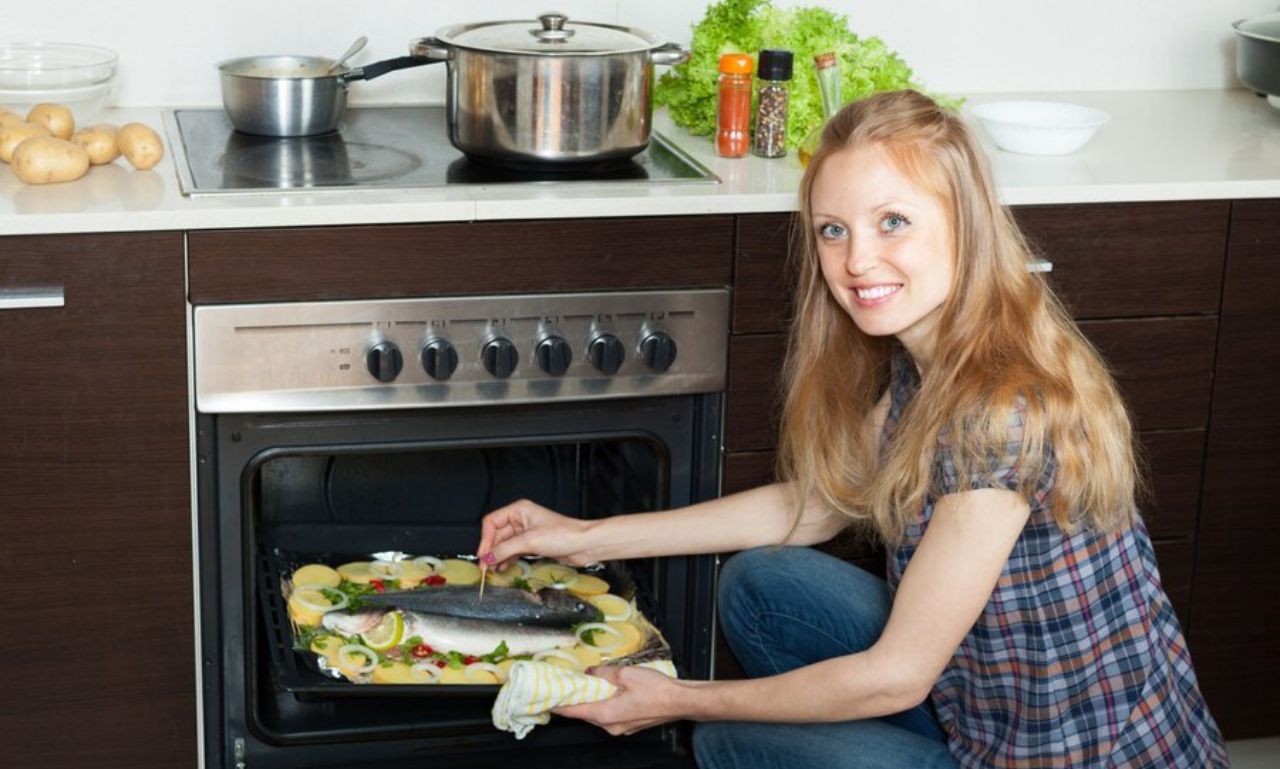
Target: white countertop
x=1159 y=145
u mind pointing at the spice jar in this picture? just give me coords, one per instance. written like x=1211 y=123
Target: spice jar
x=827 y=68
x=773 y=79
x=733 y=110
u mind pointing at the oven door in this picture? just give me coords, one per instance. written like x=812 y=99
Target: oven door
x=352 y=484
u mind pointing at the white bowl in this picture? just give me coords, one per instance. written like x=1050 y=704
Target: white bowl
x=1039 y=127
x=77 y=76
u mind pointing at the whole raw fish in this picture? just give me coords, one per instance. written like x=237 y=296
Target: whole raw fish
x=546 y=608
x=467 y=636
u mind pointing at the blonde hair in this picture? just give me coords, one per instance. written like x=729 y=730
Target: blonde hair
x=1004 y=345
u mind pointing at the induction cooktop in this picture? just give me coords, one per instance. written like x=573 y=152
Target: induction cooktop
x=380 y=148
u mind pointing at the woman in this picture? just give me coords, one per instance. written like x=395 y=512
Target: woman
x=938 y=394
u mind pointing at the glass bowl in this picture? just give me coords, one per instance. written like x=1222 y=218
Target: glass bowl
x=1039 y=127
x=79 y=77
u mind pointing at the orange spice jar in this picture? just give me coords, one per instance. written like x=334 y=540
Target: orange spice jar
x=733 y=109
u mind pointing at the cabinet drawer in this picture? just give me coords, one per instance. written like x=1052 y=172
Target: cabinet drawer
x=1113 y=261
x=1164 y=367
x=319 y=263
x=763 y=282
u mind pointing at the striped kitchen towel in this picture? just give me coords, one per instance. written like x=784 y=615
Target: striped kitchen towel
x=533 y=689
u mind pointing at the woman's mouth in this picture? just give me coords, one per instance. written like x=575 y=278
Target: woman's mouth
x=870 y=296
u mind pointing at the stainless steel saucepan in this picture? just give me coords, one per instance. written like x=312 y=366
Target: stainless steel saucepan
x=548 y=91
x=294 y=95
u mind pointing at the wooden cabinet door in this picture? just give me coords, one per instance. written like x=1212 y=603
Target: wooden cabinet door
x=1235 y=630
x=95 y=558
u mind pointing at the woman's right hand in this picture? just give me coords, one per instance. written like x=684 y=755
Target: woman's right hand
x=527 y=528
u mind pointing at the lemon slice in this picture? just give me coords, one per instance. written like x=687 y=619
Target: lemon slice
x=615 y=607
x=386 y=633
x=588 y=585
x=316 y=574
x=357 y=572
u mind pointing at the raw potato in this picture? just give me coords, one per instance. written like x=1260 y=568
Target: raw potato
x=16 y=133
x=588 y=585
x=316 y=574
x=140 y=145
x=356 y=571
x=56 y=117
x=45 y=160
x=391 y=672
x=99 y=142
x=9 y=118
x=459 y=572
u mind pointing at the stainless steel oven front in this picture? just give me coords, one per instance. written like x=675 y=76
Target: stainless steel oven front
x=347 y=428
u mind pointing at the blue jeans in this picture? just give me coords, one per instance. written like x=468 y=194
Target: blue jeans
x=781 y=609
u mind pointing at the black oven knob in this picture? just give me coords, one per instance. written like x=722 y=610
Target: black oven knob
x=384 y=361
x=606 y=353
x=500 y=357
x=439 y=359
x=553 y=355
x=658 y=350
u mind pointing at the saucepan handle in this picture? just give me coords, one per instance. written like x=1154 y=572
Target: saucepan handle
x=669 y=54
x=380 y=68
x=430 y=49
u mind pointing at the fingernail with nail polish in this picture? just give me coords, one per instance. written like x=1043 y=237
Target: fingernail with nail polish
x=489 y=558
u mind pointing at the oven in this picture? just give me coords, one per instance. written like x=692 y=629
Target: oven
x=344 y=428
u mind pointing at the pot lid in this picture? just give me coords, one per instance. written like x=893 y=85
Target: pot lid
x=1265 y=27
x=550 y=34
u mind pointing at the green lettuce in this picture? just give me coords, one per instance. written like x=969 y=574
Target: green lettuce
x=867 y=65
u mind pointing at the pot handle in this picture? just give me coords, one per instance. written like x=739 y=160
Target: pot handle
x=429 y=48
x=669 y=54
x=380 y=68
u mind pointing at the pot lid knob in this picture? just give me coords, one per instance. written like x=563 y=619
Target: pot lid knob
x=552 y=30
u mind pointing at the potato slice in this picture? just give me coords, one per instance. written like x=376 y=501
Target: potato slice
x=306 y=607
x=555 y=573
x=16 y=133
x=413 y=572
x=316 y=574
x=459 y=572
x=393 y=672
x=140 y=145
x=587 y=585
x=55 y=117
x=452 y=676
x=48 y=160
x=632 y=639
x=328 y=645
x=357 y=572
x=587 y=655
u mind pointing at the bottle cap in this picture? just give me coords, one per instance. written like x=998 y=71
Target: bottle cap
x=736 y=63
x=775 y=64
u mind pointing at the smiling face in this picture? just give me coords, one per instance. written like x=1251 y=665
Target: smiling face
x=885 y=246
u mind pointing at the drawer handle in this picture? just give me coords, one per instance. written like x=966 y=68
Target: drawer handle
x=27 y=298
x=1040 y=265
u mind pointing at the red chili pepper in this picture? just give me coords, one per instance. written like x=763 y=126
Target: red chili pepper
x=378 y=585
x=435 y=580
x=467 y=660
x=421 y=650
x=441 y=664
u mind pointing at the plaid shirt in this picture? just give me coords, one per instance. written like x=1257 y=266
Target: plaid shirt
x=1077 y=660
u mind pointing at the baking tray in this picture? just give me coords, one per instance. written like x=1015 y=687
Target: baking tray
x=296 y=671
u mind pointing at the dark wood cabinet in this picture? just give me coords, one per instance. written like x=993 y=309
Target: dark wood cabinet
x=96 y=508
x=1235 y=627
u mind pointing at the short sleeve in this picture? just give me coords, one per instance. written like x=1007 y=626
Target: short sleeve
x=998 y=468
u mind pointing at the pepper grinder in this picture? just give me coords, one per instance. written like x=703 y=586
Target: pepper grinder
x=773 y=80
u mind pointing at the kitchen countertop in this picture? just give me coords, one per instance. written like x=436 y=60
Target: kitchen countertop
x=1159 y=145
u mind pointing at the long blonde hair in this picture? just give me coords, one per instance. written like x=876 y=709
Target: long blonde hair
x=1004 y=343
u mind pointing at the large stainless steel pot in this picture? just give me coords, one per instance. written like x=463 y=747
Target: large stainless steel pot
x=1258 y=54
x=293 y=95
x=548 y=91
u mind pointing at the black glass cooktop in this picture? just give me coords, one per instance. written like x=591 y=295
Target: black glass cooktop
x=379 y=148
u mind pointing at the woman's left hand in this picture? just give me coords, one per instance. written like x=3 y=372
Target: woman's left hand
x=645 y=698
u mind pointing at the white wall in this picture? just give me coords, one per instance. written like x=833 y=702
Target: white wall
x=168 y=47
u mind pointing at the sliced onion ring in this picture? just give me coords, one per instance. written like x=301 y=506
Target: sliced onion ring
x=386 y=569
x=489 y=666
x=428 y=667
x=345 y=652
x=430 y=561
x=342 y=602
x=559 y=654
x=613 y=631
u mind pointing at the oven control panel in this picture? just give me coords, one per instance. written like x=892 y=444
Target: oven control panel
x=458 y=351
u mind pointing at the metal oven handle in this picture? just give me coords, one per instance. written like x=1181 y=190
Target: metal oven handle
x=27 y=298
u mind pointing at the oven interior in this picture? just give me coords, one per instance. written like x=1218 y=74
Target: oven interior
x=347 y=486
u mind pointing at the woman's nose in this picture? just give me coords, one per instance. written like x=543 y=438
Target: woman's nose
x=860 y=260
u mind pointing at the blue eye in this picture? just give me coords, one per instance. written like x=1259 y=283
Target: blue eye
x=891 y=222
x=830 y=231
